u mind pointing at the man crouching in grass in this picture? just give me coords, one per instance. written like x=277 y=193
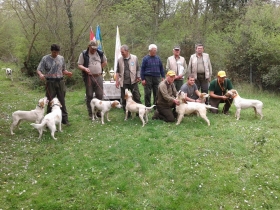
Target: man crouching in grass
x=166 y=99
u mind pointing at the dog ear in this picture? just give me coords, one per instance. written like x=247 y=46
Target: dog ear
x=41 y=103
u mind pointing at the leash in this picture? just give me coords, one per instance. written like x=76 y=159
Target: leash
x=89 y=81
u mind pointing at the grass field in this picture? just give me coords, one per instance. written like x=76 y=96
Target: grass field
x=120 y=165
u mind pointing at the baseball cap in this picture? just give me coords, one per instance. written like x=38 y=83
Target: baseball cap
x=222 y=74
x=151 y=46
x=93 y=44
x=177 y=47
x=171 y=73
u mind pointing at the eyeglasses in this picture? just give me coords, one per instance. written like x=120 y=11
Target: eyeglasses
x=176 y=49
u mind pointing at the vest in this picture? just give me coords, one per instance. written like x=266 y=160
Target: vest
x=86 y=60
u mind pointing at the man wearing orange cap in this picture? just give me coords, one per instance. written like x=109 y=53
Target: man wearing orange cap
x=166 y=99
x=218 y=88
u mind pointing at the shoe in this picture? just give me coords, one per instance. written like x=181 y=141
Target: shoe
x=226 y=113
x=66 y=123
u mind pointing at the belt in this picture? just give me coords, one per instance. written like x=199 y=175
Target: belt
x=201 y=73
x=96 y=75
x=54 y=79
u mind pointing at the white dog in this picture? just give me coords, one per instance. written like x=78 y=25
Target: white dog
x=191 y=107
x=35 y=115
x=51 y=119
x=133 y=107
x=9 y=73
x=104 y=107
x=242 y=103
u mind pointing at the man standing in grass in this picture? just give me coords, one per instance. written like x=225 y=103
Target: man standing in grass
x=128 y=75
x=218 y=88
x=91 y=62
x=151 y=73
x=178 y=64
x=166 y=99
x=52 y=68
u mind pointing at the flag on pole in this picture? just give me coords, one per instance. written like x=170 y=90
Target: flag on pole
x=91 y=35
x=117 y=49
x=98 y=37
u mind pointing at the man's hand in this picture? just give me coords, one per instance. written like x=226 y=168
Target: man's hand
x=42 y=76
x=176 y=102
x=117 y=84
x=68 y=73
x=143 y=82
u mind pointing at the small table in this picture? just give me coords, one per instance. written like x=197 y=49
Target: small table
x=110 y=91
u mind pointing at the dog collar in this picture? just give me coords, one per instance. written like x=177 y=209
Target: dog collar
x=55 y=105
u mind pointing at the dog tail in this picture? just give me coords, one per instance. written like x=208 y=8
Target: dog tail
x=38 y=126
x=151 y=107
x=210 y=107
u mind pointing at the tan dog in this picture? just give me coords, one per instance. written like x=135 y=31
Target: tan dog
x=133 y=107
x=104 y=107
x=35 y=115
x=191 y=107
x=242 y=103
x=51 y=119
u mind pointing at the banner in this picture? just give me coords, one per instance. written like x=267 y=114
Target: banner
x=98 y=37
x=91 y=35
x=117 y=49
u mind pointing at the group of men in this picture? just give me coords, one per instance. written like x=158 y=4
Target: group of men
x=128 y=74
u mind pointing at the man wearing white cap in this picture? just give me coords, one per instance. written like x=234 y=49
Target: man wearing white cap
x=178 y=64
x=151 y=74
x=218 y=88
x=166 y=100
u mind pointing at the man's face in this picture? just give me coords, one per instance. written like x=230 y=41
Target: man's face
x=191 y=81
x=176 y=52
x=199 y=49
x=54 y=53
x=170 y=79
x=124 y=53
x=153 y=52
x=221 y=79
x=91 y=50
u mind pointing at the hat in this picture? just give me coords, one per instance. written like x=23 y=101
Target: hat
x=177 y=47
x=151 y=46
x=222 y=74
x=93 y=44
x=171 y=73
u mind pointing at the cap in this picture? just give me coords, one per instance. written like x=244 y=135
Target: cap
x=93 y=44
x=171 y=73
x=222 y=74
x=177 y=47
x=151 y=46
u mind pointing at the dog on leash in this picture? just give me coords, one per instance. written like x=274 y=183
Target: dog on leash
x=35 y=115
x=242 y=103
x=104 y=107
x=191 y=107
x=133 y=107
x=51 y=119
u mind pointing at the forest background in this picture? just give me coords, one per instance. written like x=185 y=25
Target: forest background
x=242 y=37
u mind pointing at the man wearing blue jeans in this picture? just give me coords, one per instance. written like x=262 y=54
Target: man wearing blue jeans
x=152 y=73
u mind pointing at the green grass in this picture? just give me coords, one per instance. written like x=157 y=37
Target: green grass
x=120 y=165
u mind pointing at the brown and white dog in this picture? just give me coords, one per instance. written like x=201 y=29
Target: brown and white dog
x=133 y=107
x=104 y=107
x=191 y=107
x=35 y=115
x=242 y=103
x=51 y=119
